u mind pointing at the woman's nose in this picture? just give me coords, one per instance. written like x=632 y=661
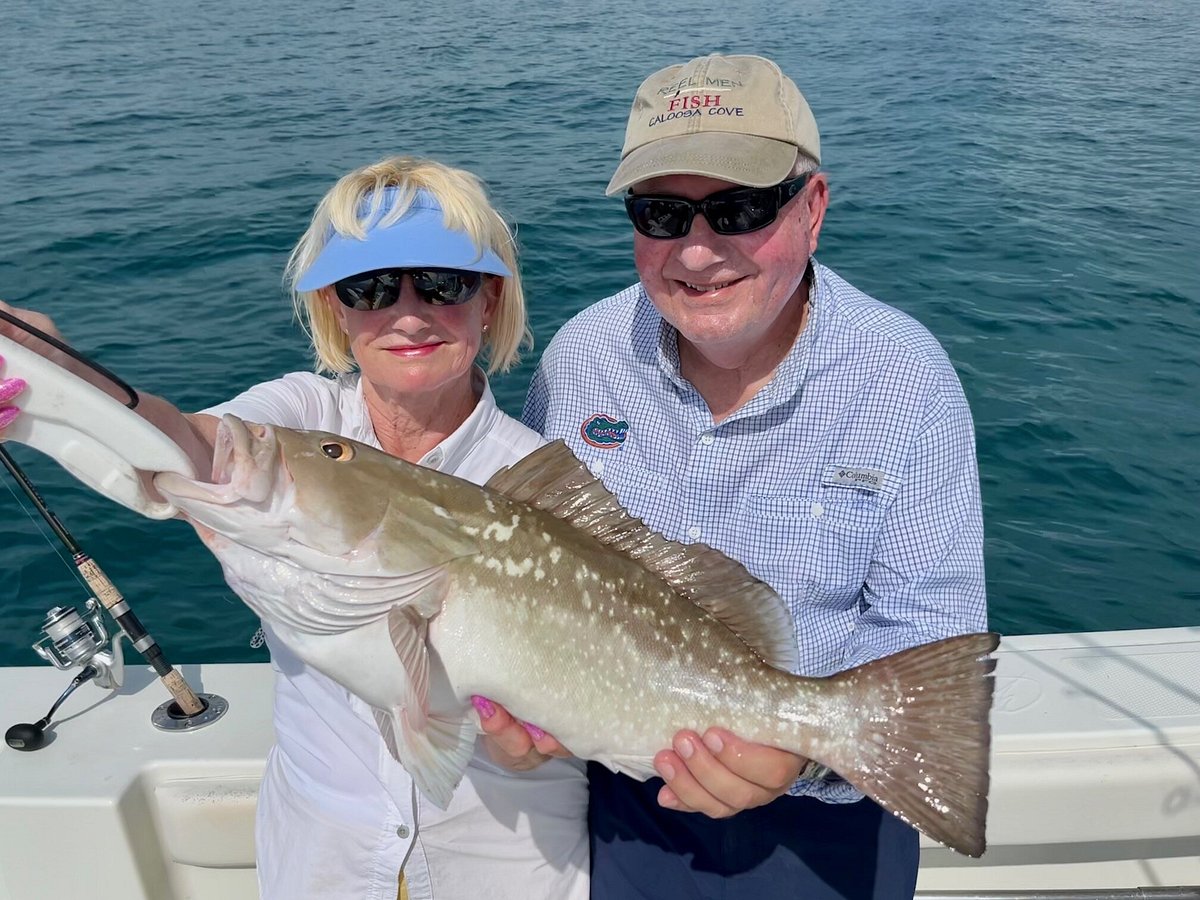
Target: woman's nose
x=410 y=308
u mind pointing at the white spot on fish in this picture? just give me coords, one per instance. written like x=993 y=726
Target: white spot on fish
x=441 y=511
x=497 y=532
x=513 y=570
x=555 y=554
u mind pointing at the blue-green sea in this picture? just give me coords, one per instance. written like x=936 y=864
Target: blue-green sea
x=1019 y=176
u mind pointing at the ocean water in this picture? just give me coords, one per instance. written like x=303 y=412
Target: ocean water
x=1020 y=177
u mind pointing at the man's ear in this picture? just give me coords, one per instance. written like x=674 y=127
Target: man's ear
x=816 y=201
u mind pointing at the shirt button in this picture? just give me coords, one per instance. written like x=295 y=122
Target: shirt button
x=694 y=532
x=402 y=832
x=434 y=459
x=706 y=439
x=817 y=510
x=598 y=468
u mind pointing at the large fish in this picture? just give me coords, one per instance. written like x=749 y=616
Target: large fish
x=416 y=590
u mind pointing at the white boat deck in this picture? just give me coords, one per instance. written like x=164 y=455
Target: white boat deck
x=1095 y=779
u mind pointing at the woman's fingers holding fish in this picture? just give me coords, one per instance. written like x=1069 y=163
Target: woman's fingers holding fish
x=722 y=774
x=9 y=388
x=512 y=743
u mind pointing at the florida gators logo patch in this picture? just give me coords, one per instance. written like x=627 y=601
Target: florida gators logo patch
x=604 y=431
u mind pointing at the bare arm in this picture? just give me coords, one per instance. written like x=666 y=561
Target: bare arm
x=194 y=433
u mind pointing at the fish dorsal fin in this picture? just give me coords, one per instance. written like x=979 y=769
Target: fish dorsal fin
x=553 y=479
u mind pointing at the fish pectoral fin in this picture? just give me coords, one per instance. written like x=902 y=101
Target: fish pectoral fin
x=434 y=748
x=435 y=751
x=639 y=767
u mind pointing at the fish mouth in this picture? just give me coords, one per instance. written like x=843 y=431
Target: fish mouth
x=246 y=462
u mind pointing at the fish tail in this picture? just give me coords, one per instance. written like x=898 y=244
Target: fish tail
x=922 y=748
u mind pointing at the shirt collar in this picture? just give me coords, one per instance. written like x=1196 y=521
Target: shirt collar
x=449 y=455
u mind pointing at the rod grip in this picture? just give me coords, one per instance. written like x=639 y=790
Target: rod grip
x=182 y=692
x=106 y=592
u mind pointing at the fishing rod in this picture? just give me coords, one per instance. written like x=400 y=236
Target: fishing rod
x=76 y=641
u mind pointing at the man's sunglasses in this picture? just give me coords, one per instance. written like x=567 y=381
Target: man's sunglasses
x=735 y=211
x=380 y=288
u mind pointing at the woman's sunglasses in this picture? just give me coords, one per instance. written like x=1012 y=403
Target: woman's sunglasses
x=380 y=288
x=735 y=211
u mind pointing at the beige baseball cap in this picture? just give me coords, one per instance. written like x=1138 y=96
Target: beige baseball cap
x=737 y=118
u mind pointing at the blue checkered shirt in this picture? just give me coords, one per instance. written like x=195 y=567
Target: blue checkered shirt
x=848 y=483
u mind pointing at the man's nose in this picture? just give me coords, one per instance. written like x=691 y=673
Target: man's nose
x=701 y=247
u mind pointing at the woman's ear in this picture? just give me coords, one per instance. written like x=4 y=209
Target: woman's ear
x=493 y=287
x=336 y=307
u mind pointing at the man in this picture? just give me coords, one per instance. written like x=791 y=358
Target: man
x=744 y=396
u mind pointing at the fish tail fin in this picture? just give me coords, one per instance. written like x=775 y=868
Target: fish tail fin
x=922 y=750
x=434 y=747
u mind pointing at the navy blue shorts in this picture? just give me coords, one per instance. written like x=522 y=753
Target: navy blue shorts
x=795 y=847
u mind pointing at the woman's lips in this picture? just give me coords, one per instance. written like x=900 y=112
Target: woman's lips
x=414 y=350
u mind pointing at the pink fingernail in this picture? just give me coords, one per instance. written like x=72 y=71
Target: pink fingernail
x=7 y=414
x=667 y=771
x=486 y=708
x=713 y=742
x=684 y=748
x=10 y=387
x=534 y=732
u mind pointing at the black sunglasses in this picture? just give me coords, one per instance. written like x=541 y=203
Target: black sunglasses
x=735 y=211
x=380 y=288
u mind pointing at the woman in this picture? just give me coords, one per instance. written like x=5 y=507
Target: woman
x=405 y=276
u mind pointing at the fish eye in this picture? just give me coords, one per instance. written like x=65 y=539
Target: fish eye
x=337 y=450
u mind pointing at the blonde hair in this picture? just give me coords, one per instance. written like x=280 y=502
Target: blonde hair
x=346 y=210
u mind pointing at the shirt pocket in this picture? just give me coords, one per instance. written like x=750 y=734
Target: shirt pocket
x=645 y=494
x=817 y=546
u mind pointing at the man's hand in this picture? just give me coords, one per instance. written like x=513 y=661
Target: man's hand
x=723 y=774
x=511 y=743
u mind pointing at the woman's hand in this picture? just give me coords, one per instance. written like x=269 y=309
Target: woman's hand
x=30 y=317
x=9 y=389
x=45 y=324
x=512 y=743
x=194 y=433
x=37 y=345
x=721 y=774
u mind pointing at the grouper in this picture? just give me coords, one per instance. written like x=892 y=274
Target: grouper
x=416 y=590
